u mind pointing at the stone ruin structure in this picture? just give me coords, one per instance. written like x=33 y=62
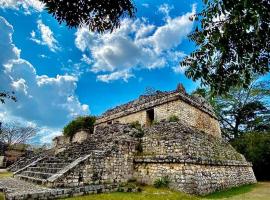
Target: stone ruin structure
x=180 y=139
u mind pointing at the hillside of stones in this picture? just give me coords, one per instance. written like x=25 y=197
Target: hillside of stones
x=177 y=140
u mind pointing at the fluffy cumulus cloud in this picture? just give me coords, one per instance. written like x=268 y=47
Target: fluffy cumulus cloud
x=26 y=5
x=136 y=44
x=49 y=102
x=46 y=36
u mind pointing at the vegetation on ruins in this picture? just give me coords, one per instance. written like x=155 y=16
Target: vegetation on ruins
x=162 y=182
x=100 y=16
x=173 y=118
x=138 y=127
x=232 y=42
x=82 y=122
x=15 y=133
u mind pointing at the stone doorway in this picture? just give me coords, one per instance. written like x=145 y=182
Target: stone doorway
x=150 y=117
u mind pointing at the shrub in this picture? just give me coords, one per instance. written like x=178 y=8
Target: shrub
x=255 y=146
x=135 y=125
x=173 y=118
x=79 y=123
x=138 y=127
x=162 y=182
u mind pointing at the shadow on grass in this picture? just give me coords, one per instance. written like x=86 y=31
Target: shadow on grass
x=231 y=192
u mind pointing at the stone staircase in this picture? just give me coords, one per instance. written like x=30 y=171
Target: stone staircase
x=40 y=171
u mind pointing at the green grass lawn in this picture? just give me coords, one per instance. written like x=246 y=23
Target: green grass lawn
x=148 y=193
x=260 y=191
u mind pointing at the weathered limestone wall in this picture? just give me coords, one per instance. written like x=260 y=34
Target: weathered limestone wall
x=186 y=113
x=194 y=178
x=178 y=140
x=80 y=136
x=110 y=159
x=195 y=162
x=103 y=167
x=60 y=143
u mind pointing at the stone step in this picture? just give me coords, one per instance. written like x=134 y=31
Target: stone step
x=52 y=160
x=40 y=175
x=44 y=169
x=52 y=165
x=31 y=179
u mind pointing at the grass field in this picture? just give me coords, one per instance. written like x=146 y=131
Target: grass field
x=260 y=191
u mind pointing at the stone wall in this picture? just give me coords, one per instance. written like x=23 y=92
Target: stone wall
x=195 y=162
x=186 y=113
x=110 y=153
x=194 y=178
x=177 y=139
x=101 y=167
x=60 y=143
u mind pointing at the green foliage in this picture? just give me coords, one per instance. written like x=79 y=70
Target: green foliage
x=100 y=16
x=232 y=44
x=162 y=182
x=154 y=122
x=79 y=123
x=241 y=110
x=255 y=146
x=173 y=118
x=137 y=126
x=7 y=95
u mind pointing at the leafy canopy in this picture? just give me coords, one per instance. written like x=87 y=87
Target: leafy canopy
x=241 y=110
x=255 y=146
x=232 y=42
x=78 y=124
x=6 y=95
x=99 y=15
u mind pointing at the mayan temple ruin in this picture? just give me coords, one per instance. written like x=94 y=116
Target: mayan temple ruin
x=179 y=138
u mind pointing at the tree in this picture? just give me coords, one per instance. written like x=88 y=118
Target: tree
x=16 y=133
x=255 y=146
x=99 y=15
x=86 y=122
x=7 y=95
x=232 y=44
x=241 y=109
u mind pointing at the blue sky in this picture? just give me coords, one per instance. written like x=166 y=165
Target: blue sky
x=60 y=73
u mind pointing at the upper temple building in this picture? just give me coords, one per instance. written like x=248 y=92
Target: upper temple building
x=192 y=110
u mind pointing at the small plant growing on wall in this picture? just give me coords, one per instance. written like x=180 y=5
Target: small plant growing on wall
x=173 y=118
x=162 y=182
x=136 y=125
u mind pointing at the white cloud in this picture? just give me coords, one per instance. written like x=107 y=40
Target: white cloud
x=165 y=9
x=49 y=102
x=125 y=75
x=26 y=5
x=136 y=44
x=46 y=36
